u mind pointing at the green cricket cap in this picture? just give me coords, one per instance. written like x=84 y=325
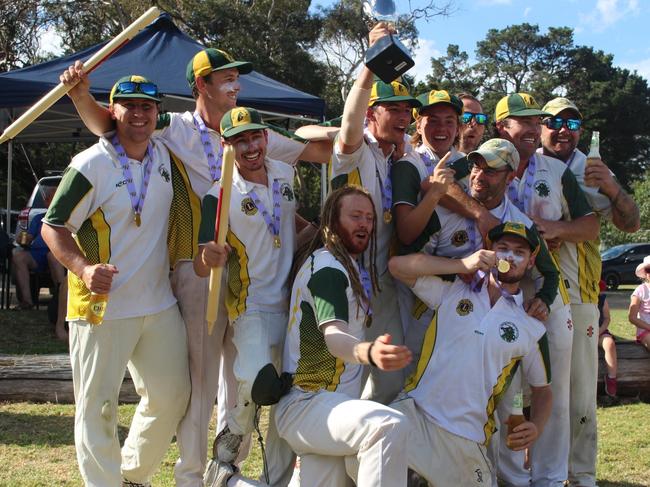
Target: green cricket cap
x=436 y=97
x=390 y=92
x=208 y=60
x=240 y=120
x=497 y=153
x=559 y=104
x=518 y=105
x=516 y=229
x=134 y=86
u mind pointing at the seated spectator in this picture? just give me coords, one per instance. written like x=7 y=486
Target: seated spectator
x=35 y=256
x=639 y=312
x=606 y=341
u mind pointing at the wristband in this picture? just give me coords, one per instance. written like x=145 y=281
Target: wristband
x=370 y=360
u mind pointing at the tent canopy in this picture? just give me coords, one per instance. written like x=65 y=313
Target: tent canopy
x=161 y=53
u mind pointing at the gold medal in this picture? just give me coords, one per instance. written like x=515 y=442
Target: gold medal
x=503 y=266
x=388 y=217
x=277 y=243
x=137 y=219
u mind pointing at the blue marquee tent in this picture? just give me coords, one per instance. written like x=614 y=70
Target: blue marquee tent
x=160 y=52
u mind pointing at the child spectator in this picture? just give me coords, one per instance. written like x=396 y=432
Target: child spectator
x=606 y=341
x=639 y=314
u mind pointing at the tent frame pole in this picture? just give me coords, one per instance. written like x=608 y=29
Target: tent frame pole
x=10 y=160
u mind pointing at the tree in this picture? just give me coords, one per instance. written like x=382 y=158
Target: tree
x=611 y=236
x=21 y=23
x=452 y=72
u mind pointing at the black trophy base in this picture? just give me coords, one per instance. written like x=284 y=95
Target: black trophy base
x=388 y=59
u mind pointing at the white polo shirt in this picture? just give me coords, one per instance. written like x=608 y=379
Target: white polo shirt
x=192 y=182
x=94 y=204
x=366 y=167
x=581 y=261
x=470 y=353
x=257 y=269
x=556 y=195
x=321 y=294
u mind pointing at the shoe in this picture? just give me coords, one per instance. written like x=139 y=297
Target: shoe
x=610 y=386
x=226 y=446
x=217 y=473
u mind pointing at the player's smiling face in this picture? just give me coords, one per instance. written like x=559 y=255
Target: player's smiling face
x=438 y=126
x=135 y=118
x=355 y=222
x=561 y=143
x=523 y=132
x=389 y=121
x=250 y=150
x=222 y=88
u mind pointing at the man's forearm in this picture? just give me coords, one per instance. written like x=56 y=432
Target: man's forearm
x=354 y=112
x=579 y=230
x=96 y=117
x=60 y=242
x=625 y=212
x=459 y=202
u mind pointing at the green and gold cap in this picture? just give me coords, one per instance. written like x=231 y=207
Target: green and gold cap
x=435 y=97
x=516 y=229
x=134 y=86
x=240 y=120
x=556 y=105
x=390 y=92
x=208 y=60
x=518 y=105
x=497 y=153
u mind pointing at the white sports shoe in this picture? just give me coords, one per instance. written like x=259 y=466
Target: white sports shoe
x=217 y=474
x=226 y=446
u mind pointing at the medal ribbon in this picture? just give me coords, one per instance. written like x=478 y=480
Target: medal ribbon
x=503 y=292
x=367 y=284
x=214 y=161
x=386 y=187
x=137 y=202
x=272 y=220
x=513 y=192
x=428 y=162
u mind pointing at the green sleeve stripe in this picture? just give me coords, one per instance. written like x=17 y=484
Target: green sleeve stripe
x=548 y=270
x=164 y=120
x=575 y=197
x=73 y=188
x=406 y=181
x=208 y=218
x=542 y=345
x=461 y=167
x=433 y=226
x=327 y=287
x=339 y=181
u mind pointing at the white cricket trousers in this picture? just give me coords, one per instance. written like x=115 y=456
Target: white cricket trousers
x=549 y=455
x=442 y=458
x=154 y=349
x=204 y=354
x=383 y=386
x=584 y=377
x=258 y=337
x=339 y=438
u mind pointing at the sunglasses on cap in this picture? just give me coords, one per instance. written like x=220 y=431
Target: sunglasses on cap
x=131 y=87
x=481 y=118
x=555 y=123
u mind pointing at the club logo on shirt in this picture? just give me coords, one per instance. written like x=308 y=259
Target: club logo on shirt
x=508 y=331
x=164 y=173
x=464 y=307
x=459 y=238
x=286 y=191
x=248 y=206
x=542 y=189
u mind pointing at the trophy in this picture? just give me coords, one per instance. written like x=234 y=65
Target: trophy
x=387 y=58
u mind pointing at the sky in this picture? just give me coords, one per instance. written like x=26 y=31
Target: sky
x=613 y=26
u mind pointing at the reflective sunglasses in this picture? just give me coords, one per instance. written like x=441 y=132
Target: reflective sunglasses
x=130 y=87
x=481 y=118
x=555 y=123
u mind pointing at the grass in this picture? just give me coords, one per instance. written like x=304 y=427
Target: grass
x=37 y=442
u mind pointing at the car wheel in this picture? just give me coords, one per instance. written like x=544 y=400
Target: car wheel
x=612 y=281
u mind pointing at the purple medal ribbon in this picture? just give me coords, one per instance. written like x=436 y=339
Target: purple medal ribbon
x=272 y=220
x=513 y=192
x=386 y=191
x=503 y=292
x=428 y=162
x=214 y=161
x=365 y=281
x=137 y=202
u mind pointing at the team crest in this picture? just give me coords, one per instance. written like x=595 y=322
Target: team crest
x=248 y=206
x=164 y=173
x=508 y=331
x=542 y=189
x=464 y=307
x=286 y=191
x=459 y=238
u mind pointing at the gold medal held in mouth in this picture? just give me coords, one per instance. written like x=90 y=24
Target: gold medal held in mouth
x=503 y=266
x=388 y=217
x=277 y=243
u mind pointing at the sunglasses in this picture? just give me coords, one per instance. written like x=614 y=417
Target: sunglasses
x=130 y=87
x=481 y=118
x=555 y=123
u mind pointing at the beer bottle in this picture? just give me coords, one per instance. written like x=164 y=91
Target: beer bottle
x=516 y=415
x=594 y=152
x=96 y=308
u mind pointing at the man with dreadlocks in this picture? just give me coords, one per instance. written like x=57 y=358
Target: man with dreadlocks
x=322 y=417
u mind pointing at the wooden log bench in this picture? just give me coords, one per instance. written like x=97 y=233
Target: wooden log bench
x=45 y=378
x=633 y=375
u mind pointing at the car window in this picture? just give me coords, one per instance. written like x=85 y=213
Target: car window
x=614 y=252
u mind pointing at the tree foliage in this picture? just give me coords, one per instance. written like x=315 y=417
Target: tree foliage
x=611 y=236
x=21 y=24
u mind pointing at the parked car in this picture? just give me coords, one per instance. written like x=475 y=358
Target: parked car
x=35 y=204
x=13 y=221
x=620 y=261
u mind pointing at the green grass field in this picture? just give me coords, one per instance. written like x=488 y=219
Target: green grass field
x=37 y=442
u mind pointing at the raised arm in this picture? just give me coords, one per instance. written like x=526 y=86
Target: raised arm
x=94 y=116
